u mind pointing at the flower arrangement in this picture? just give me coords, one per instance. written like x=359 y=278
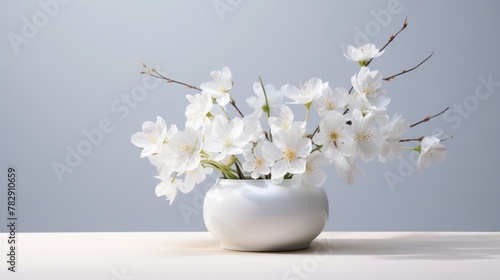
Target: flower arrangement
x=270 y=143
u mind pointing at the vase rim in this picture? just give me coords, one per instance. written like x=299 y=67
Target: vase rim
x=253 y=182
x=248 y=179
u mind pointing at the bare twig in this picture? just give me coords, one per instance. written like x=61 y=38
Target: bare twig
x=412 y=139
x=405 y=24
x=160 y=76
x=404 y=71
x=422 y=137
x=238 y=170
x=428 y=118
x=314 y=132
x=447 y=138
x=267 y=136
x=236 y=107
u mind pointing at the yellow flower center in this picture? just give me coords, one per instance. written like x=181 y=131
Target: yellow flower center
x=334 y=135
x=186 y=148
x=330 y=105
x=365 y=136
x=309 y=169
x=152 y=138
x=289 y=154
x=228 y=142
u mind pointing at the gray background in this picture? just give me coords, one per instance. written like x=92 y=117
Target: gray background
x=79 y=67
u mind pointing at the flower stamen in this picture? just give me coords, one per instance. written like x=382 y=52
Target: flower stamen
x=289 y=154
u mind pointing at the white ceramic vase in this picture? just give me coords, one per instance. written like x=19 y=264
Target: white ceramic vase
x=257 y=215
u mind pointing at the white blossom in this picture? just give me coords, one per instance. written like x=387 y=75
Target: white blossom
x=359 y=102
x=430 y=149
x=314 y=175
x=220 y=87
x=256 y=161
x=185 y=147
x=363 y=53
x=332 y=100
x=168 y=187
x=254 y=129
x=367 y=85
x=367 y=140
x=307 y=93
x=258 y=102
x=198 y=109
x=152 y=136
x=346 y=167
x=333 y=134
x=163 y=161
x=225 y=137
x=284 y=121
x=289 y=151
x=193 y=177
x=391 y=132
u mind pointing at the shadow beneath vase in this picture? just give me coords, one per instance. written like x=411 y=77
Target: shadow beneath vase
x=433 y=246
x=400 y=246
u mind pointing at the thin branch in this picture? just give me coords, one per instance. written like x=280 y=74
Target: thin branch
x=428 y=118
x=409 y=70
x=160 y=76
x=238 y=170
x=314 y=133
x=267 y=136
x=447 y=138
x=236 y=107
x=412 y=139
x=422 y=137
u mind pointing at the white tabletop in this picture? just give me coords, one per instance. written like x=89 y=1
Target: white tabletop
x=196 y=255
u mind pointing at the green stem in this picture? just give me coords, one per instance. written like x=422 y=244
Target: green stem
x=308 y=106
x=317 y=148
x=238 y=169
x=267 y=109
x=225 y=170
x=417 y=149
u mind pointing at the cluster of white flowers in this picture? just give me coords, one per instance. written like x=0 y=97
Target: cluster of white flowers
x=270 y=143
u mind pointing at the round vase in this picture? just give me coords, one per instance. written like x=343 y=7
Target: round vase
x=257 y=215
